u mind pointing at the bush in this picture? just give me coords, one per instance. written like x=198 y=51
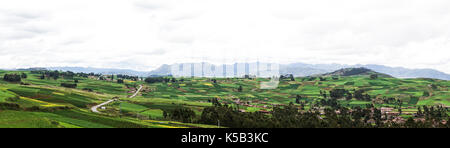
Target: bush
x=182 y=114
x=24 y=75
x=32 y=109
x=21 y=83
x=13 y=99
x=12 y=78
x=154 y=79
x=9 y=106
x=68 y=85
x=373 y=76
x=119 y=81
x=338 y=93
x=88 y=89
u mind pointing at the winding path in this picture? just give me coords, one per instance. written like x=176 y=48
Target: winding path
x=94 y=108
x=137 y=91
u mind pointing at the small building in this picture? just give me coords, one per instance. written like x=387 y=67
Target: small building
x=264 y=112
x=386 y=109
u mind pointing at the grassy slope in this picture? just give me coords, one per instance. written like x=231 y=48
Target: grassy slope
x=410 y=91
x=48 y=94
x=192 y=93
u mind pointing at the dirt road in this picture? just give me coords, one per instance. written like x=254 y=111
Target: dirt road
x=94 y=108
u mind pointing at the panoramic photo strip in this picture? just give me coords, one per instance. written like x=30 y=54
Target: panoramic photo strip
x=211 y=67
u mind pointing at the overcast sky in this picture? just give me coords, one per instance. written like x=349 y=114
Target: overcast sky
x=142 y=35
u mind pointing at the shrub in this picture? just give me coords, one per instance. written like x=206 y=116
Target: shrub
x=21 y=83
x=182 y=114
x=13 y=99
x=88 y=89
x=373 y=76
x=9 y=106
x=68 y=85
x=12 y=78
x=32 y=109
x=154 y=79
x=24 y=75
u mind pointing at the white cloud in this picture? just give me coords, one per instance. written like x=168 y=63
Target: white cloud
x=143 y=34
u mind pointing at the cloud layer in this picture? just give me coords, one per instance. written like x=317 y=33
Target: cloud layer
x=142 y=35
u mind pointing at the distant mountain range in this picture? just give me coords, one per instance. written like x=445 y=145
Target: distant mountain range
x=302 y=69
x=105 y=71
x=297 y=69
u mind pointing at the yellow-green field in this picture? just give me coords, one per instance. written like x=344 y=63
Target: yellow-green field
x=44 y=103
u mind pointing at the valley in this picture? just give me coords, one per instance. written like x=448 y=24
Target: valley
x=44 y=99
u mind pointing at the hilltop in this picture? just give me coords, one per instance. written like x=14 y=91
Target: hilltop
x=355 y=72
x=303 y=69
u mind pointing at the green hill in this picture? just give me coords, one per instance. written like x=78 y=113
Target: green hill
x=37 y=102
x=355 y=72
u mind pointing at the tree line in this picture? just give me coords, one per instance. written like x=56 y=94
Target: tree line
x=290 y=116
x=14 y=77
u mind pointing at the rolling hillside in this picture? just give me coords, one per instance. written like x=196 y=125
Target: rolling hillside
x=355 y=72
x=37 y=102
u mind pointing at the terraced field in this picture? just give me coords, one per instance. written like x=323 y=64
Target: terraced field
x=44 y=103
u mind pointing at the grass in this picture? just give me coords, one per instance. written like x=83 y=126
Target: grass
x=19 y=119
x=192 y=93
x=129 y=107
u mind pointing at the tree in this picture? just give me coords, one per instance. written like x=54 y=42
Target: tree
x=215 y=102
x=359 y=94
x=12 y=78
x=297 y=99
x=120 y=81
x=24 y=76
x=338 y=93
x=164 y=114
x=180 y=113
x=419 y=112
x=291 y=76
x=399 y=103
x=240 y=88
x=55 y=77
x=68 y=85
x=154 y=79
x=373 y=76
x=348 y=96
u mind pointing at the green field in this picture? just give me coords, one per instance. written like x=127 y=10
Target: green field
x=44 y=103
